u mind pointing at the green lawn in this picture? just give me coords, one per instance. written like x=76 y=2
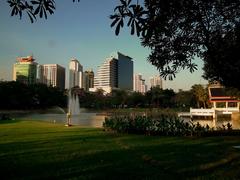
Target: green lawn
x=37 y=150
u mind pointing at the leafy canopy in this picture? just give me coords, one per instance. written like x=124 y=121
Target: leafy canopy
x=32 y=8
x=177 y=31
x=223 y=59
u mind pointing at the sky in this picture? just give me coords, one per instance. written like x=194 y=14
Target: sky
x=77 y=30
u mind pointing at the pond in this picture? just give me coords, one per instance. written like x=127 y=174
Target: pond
x=94 y=118
x=218 y=122
x=85 y=118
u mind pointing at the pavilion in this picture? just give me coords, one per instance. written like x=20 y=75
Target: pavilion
x=221 y=101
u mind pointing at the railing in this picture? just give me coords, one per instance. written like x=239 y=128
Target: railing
x=202 y=112
x=205 y=112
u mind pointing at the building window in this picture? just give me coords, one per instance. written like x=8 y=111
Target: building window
x=220 y=104
x=232 y=104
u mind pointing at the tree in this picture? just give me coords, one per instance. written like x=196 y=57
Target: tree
x=201 y=95
x=33 y=8
x=119 y=97
x=223 y=64
x=177 y=31
x=184 y=99
x=17 y=95
x=158 y=97
x=136 y=99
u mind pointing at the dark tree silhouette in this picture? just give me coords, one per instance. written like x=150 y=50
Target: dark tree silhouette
x=17 y=95
x=223 y=59
x=177 y=31
x=33 y=8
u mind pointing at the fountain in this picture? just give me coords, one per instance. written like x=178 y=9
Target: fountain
x=73 y=106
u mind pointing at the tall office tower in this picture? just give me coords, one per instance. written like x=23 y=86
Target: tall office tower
x=54 y=75
x=75 y=74
x=39 y=73
x=25 y=70
x=139 y=84
x=156 y=81
x=125 y=72
x=106 y=78
x=115 y=72
x=88 y=79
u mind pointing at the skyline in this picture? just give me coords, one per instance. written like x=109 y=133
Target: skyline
x=68 y=33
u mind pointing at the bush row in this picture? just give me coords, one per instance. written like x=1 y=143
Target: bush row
x=163 y=125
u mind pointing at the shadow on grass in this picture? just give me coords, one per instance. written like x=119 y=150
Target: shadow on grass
x=33 y=150
x=106 y=156
x=9 y=121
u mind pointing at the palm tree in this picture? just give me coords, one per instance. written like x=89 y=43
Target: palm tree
x=201 y=95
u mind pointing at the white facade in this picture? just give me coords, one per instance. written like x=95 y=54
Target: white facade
x=106 y=77
x=156 y=81
x=115 y=72
x=75 y=74
x=54 y=75
x=139 y=84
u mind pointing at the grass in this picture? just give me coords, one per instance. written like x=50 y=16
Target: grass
x=41 y=150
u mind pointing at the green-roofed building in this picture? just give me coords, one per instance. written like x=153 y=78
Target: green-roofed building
x=25 y=70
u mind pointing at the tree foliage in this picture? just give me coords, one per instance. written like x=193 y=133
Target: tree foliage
x=200 y=95
x=177 y=31
x=185 y=99
x=33 y=8
x=16 y=95
x=223 y=59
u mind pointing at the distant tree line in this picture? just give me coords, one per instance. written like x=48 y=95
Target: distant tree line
x=16 y=95
x=154 y=98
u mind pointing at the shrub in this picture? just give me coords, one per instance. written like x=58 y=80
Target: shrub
x=5 y=116
x=165 y=124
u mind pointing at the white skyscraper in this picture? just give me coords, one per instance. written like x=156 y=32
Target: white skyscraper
x=139 y=83
x=75 y=74
x=115 y=72
x=106 y=78
x=54 y=75
x=156 y=81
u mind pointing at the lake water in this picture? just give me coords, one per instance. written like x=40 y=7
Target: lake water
x=96 y=118
x=85 y=118
x=219 y=122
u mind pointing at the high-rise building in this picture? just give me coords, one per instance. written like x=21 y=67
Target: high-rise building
x=106 y=78
x=39 y=73
x=54 y=75
x=88 y=79
x=125 y=72
x=139 y=84
x=156 y=81
x=115 y=72
x=25 y=70
x=75 y=74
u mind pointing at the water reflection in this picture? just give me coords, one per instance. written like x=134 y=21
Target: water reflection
x=93 y=118
x=219 y=121
x=89 y=119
